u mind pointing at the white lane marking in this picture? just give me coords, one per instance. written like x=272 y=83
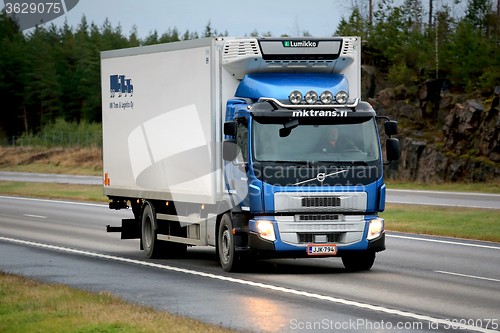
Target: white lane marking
x=55 y=201
x=436 y=204
x=444 y=192
x=366 y=306
x=36 y=216
x=469 y=276
x=445 y=242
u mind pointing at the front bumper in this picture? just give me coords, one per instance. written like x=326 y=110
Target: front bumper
x=286 y=248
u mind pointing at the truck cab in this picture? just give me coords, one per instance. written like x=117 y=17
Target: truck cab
x=304 y=168
x=280 y=158
x=306 y=181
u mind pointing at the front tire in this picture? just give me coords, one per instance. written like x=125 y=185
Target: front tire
x=356 y=262
x=228 y=257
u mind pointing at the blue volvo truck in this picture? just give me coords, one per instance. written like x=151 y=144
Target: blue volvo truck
x=260 y=147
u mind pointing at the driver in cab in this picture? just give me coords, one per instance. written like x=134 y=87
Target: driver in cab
x=332 y=143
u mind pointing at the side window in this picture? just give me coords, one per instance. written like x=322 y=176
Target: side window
x=242 y=140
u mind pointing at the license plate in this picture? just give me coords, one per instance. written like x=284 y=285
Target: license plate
x=317 y=250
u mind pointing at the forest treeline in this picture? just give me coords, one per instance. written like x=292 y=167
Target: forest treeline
x=411 y=47
x=54 y=73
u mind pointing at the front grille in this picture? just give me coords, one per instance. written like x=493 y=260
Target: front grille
x=321 y=202
x=319 y=217
x=306 y=238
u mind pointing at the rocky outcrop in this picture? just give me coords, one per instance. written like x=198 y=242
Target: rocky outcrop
x=425 y=163
x=372 y=82
x=463 y=145
x=472 y=130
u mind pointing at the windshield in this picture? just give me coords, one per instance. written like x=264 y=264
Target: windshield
x=347 y=142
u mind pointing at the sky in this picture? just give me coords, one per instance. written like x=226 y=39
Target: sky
x=319 y=17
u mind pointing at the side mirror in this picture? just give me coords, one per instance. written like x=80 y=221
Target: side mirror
x=229 y=150
x=391 y=127
x=230 y=128
x=392 y=149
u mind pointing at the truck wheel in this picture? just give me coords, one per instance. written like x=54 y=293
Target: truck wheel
x=358 y=261
x=153 y=248
x=229 y=260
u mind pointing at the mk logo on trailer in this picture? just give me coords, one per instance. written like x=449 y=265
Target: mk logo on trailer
x=119 y=84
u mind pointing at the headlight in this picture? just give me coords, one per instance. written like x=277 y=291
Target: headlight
x=266 y=230
x=326 y=97
x=295 y=97
x=375 y=229
x=341 y=97
x=311 y=97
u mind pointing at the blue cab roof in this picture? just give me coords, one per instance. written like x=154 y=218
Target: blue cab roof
x=280 y=85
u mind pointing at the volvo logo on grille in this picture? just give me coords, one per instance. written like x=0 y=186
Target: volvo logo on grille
x=321 y=176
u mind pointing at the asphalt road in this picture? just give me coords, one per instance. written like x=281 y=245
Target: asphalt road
x=438 y=198
x=441 y=198
x=416 y=283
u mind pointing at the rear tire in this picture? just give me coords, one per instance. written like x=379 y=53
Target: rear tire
x=229 y=259
x=153 y=248
x=358 y=261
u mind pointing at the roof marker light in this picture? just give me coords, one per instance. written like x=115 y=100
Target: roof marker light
x=326 y=97
x=295 y=97
x=341 y=97
x=311 y=97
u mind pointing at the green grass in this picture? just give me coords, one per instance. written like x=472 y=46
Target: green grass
x=54 y=191
x=53 y=169
x=57 y=160
x=453 y=187
x=30 y=306
x=472 y=223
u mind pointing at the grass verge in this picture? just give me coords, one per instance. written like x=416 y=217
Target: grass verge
x=30 y=306
x=71 y=161
x=472 y=223
x=54 y=191
x=50 y=168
